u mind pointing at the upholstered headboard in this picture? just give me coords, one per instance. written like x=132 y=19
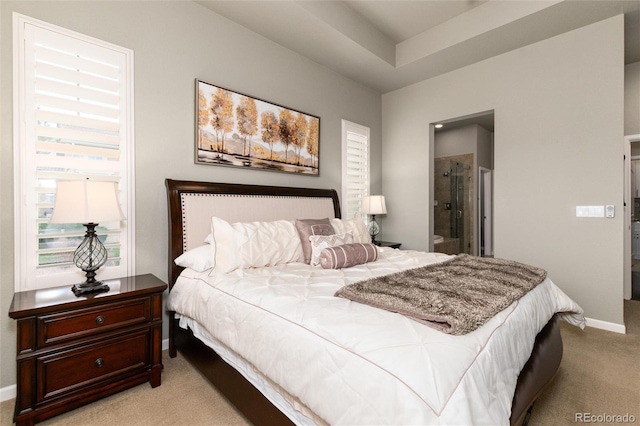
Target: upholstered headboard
x=192 y=204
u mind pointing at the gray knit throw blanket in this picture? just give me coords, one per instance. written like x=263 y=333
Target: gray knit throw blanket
x=456 y=296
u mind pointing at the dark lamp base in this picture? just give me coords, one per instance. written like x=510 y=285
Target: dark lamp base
x=86 y=288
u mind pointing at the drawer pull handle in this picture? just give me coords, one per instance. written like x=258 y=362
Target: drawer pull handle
x=99 y=319
x=99 y=362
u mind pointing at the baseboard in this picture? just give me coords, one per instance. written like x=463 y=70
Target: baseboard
x=604 y=325
x=9 y=392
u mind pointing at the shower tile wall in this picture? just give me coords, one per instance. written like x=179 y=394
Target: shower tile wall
x=442 y=190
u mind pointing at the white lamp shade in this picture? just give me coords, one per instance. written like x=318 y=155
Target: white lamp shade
x=374 y=204
x=86 y=201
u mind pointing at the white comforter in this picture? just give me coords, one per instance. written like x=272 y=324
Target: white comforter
x=354 y=364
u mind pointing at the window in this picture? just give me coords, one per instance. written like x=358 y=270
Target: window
x=73 y=118
x=355 y=167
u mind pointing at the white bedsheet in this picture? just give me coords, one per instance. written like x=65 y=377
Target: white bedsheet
x=354 y=364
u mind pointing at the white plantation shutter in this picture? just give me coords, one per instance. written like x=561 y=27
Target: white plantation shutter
x=355 y=167
x=73 y=114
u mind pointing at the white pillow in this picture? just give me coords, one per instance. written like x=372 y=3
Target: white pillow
x=199 y=259
x=357 y=228
x=254 y=244
x=321 y=242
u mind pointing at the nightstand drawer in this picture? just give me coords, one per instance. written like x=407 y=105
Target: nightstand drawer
x=55 y=328
x=68 y=371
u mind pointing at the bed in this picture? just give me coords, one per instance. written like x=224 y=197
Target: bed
x=283 y=350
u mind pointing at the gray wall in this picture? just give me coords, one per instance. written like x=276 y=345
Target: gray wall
x=457 y=141
x=485 y=148
x=632 y=99
x=470 y=139
x=175 y=43
x=558 y=144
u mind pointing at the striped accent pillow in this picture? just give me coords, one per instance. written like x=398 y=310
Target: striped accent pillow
x=348 y=255
x=321 y=242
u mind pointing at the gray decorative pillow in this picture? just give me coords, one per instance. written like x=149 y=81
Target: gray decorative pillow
x=308 y=227
x=348 y=255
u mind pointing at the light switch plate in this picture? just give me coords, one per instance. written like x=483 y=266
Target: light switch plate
x=589 y=211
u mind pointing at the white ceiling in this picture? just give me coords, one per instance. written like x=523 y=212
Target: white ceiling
x=386 y=45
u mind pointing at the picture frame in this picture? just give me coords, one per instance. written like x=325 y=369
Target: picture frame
x=238 y=130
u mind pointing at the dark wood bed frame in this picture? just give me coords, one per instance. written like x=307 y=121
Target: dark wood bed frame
x=536 y=375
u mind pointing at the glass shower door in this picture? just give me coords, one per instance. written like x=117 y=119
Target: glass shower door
x=458 y=206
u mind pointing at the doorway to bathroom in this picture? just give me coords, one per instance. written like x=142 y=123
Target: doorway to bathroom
x=462 y=185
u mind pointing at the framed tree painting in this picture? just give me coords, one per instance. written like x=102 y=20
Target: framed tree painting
x=234 y=129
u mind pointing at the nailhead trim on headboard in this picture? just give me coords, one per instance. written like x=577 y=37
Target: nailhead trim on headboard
x=308 y=207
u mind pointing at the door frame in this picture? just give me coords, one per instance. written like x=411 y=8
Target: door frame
x=485 y=211
x=628 y=207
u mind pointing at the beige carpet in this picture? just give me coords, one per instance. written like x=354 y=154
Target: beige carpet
x=600 y=375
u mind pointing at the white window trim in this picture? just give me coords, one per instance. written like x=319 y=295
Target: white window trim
x=356 y=128
x=19 y=131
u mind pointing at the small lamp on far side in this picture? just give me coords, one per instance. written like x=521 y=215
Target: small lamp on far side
x=87 y=202
x=373 y=205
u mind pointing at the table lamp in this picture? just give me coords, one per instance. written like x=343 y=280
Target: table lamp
x=87 y=202
x=373 y=205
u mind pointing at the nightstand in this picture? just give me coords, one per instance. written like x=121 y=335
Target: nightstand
x=75 y=350
x=388 y=244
